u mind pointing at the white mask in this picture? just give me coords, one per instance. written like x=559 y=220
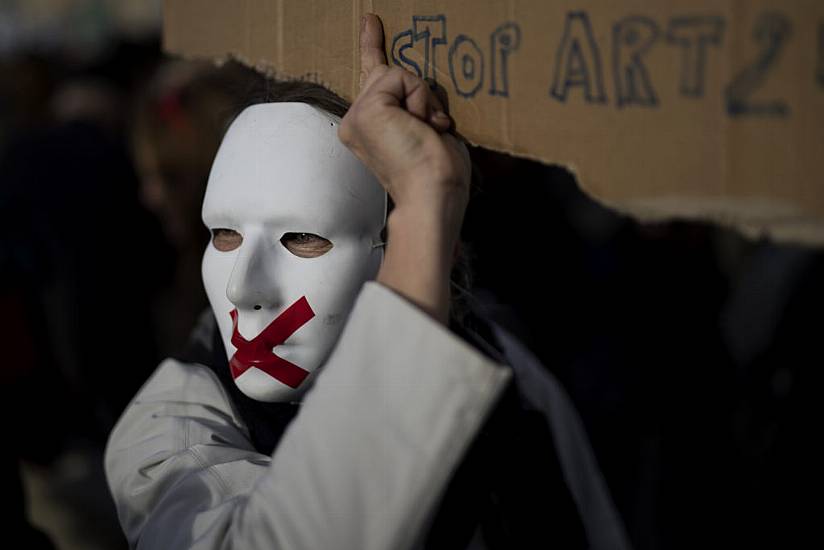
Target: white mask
x=281 y=169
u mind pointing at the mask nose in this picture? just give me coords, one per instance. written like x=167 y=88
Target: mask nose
x=251 y=285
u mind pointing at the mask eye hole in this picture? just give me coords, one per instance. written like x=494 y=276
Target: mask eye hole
x=306 y=245
x=226 y=240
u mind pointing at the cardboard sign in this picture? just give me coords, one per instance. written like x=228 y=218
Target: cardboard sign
x=707 y=109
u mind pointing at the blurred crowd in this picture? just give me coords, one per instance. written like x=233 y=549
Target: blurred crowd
x=104 y=156
x=689 y=350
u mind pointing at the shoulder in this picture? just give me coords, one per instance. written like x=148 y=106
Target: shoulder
x=183 y=382
x=178 y=441
x=181 y=405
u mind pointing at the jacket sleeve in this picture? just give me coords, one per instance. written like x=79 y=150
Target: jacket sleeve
x=362 y=465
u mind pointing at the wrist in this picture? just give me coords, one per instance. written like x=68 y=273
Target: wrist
x=418 y=260
x=423 y=238
x=437 y=216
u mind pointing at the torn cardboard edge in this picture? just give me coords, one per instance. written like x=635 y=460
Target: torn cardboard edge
x=783 y=228
x=758 y=174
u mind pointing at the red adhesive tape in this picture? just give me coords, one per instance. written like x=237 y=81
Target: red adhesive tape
x=258 y=351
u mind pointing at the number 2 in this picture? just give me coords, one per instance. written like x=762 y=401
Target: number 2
x=771 y=32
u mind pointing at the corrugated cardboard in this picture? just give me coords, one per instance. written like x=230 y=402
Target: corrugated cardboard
x=708 y=109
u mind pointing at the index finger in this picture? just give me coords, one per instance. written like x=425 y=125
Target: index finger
x=371 y=46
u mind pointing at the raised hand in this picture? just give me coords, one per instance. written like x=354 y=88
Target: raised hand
x=398 y=128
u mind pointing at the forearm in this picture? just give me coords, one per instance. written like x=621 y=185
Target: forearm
x=399 y=129
x=418 y=258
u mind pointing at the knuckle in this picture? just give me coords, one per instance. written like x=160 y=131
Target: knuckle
x=399 y=73
x=352 y=125
x=345 y=131
x=377 y=73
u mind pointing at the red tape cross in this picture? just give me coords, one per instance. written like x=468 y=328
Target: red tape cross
x=258 y=352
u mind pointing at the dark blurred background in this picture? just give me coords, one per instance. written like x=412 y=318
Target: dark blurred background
x=689 y=350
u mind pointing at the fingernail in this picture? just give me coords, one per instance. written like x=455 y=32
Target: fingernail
x=440 y=114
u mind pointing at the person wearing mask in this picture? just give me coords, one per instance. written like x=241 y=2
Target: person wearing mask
x=331 y=399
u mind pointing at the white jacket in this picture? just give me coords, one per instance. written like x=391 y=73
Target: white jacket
x=362 y=466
